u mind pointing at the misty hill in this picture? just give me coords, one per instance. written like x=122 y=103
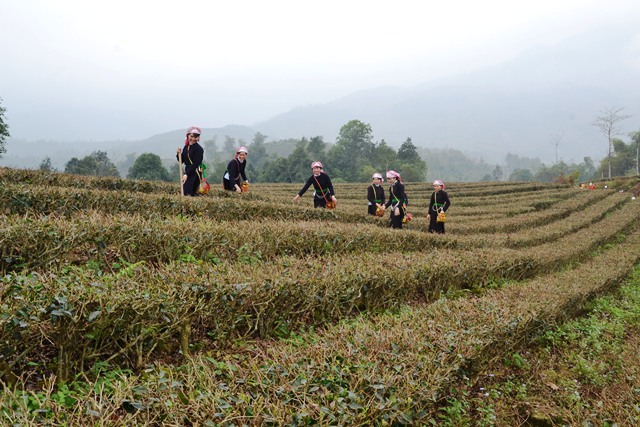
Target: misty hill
x=517 y=106
x=514 y=106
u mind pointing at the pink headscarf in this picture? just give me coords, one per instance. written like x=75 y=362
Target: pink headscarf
x=241 y=149
x=394 y=174
x=192 y=129
x=438 y=182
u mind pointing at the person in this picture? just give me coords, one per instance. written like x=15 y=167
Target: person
x=322 y=186
x=375 y=194
x=397 y=199
x=439 y=203
x=236 y=170
x=192 y=155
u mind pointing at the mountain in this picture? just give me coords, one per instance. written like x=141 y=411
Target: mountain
x=523 y=106
x=545 y=98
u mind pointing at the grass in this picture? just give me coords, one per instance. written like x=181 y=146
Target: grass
x=585 y=372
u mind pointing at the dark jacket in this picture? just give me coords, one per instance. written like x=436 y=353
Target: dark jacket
x=235 y=170
x=325 y=188
x=397 y=195
x=375 y=194
x=192 y=157
x=439 y=200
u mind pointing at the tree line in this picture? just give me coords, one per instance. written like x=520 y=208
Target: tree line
x=355 y=157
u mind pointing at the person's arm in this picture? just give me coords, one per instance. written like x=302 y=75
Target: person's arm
x=371 y=194
x=447 y=203
x=232 y=167
x=390 y=197
x=243 y=173
x=198 y=155
x=431 y=203
x=189 y=166
x=330 y=186
x=401 y=195
x=306 y=187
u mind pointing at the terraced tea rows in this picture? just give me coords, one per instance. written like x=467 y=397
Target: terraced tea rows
x=134 y=276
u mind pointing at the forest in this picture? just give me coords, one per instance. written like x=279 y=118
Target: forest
x=356 y=156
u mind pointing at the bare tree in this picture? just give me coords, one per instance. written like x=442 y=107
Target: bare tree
x=556 y=142
x=608 y=123
x=636 y=138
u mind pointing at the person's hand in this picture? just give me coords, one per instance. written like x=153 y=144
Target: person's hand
x=184 y=178
x=295 y=199
x=334 y=199
x=179 y=151
x=428 y=217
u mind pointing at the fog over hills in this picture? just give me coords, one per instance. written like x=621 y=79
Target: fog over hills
x=518 y=106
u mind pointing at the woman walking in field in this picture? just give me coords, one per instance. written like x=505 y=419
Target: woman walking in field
x=375 y=195
x=191 y=155
x=235 y=171
x=397 y=199
x=439 y=203
x=323 y=187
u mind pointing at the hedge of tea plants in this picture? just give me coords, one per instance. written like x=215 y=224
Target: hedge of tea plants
x=245 y=309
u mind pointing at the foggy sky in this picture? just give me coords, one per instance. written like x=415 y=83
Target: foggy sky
x=117 y=69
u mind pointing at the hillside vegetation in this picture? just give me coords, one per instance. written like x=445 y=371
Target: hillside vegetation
x=124 y=303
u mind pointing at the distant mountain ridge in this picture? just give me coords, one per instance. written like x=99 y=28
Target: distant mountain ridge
x=517 y=106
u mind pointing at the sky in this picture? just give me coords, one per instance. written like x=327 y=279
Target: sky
x=117 y=69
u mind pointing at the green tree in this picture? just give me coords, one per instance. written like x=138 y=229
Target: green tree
x=513 y=161
x=609 y=124
x=352 y=151
x=276 y=170
x=300 y=163
x=316 y=147
x=623 y=161
x=384 y=158
x=257 y=150
x=229 y=145
x=95 y=164
x=521 y=175
x=497 y=173
x=552 y=173
x=149 y=166
x=4 y=130
x=408 y=152
x=587 y=170
x=210 y=149
x=45 y=165
x=413 y=168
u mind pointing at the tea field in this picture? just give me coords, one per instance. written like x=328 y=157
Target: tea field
x=124 y=303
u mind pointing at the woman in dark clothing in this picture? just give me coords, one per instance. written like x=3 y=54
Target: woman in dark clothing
x=439 y=203
x=375 y=194
x=191 y=155
x=322 y=186
x=397 y=199
x=235 y=171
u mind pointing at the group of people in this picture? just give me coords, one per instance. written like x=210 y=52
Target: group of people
x=398 y=201
x=192 y=155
